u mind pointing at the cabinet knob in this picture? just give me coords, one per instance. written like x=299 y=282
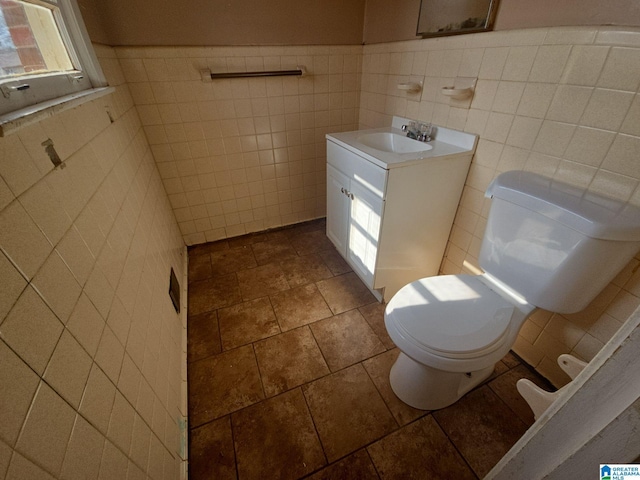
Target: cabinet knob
x=347 y=192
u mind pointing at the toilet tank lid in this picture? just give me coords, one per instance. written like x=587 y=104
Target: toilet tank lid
x=591 y=214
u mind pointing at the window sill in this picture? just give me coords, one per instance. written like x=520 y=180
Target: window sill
x=14 y=121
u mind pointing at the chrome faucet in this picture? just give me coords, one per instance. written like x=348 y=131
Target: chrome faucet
x=418 y=131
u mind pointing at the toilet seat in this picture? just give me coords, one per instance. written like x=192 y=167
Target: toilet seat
x=449 y=316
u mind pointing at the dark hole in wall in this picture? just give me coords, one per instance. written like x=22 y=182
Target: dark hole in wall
x=174 y=290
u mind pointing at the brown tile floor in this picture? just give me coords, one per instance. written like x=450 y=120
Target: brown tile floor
x=288 y=374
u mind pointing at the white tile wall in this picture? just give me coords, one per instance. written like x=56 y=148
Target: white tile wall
x=561 y=102
x=242 y=155
x=85 y=255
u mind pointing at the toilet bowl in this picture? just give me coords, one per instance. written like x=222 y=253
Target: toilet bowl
x=546 y=245
x=473 y=324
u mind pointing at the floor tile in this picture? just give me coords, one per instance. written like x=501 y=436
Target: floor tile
x=334 y=261
x=299 y=306
x=273 y=251
x=207 y=248
x=292 y=231
x=346 y=339
x=289 y=360
x=498 y=370
x=237 y=385
x=374 y=315
x=311 y=242
x=260 y=372
x=276 y=439
x=248 y=239
x=199 y=268
x=356 y=466
x=482 y=428
x=420 y=450
x=505 y=387
x=280 y=235
x=211 y=453
x=510 y=360
x=203 y=336
x=247 y=322
x=262 y=281
x=345 y=292
x=348 y=411
x=304 y=270
x=232 y=260
x=378 y=369
x=207 y=295
x=310 y=226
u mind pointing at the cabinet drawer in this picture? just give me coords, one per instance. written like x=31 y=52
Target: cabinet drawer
x=358 y=169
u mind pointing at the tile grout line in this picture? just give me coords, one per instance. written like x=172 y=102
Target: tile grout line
x=454 y=445
x=315 y=427
x=255 y=357
x=379 y=392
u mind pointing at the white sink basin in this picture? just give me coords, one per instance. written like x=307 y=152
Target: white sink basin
x=392 y=142
x=389 y=147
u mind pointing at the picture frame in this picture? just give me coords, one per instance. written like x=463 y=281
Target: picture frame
x=455 y=17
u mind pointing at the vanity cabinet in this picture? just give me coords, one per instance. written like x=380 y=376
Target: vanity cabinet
x=354 y=223
x=339 y=204
x=391 y=222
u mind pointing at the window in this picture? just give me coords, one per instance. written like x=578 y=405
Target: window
x=46 y=57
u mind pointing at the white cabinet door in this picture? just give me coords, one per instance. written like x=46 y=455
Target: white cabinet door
x=337 y=208
x=364 y=230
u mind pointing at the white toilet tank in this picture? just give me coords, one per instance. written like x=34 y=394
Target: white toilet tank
x=556 y=245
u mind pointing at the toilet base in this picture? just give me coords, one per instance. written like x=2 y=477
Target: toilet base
x=427 y=388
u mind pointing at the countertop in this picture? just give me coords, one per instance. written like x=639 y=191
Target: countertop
x=446 y=142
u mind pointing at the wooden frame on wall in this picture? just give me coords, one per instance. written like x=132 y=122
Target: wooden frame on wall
x=455 y=17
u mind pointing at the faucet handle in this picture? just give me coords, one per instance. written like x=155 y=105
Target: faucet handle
x=410 y=127
x=425 y=128
x=425 y=132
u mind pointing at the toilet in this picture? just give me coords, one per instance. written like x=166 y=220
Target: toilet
x=546 y=245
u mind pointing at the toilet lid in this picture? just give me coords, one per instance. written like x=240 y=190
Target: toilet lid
x=451 y=314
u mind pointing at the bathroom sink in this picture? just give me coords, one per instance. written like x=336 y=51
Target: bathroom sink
x=389 y=147
x=392 y=142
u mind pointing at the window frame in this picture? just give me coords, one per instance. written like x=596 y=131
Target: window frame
x=51 y=92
